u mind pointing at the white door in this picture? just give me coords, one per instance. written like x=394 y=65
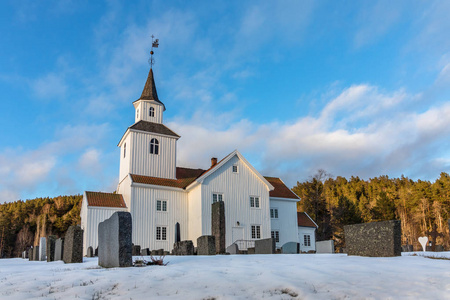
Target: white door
x=237 y=234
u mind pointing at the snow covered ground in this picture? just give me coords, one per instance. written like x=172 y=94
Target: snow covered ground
x=307 y=276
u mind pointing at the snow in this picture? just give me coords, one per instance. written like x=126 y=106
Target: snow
x=305 y=276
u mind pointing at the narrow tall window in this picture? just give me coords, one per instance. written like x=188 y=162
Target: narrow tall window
x=274 y=213
x=151 y=112
x=137 y=113
x=217 y=197
x=154 y=146
x=124 y=150
x=307 y=240
x=256 y=231
x=254 y=202
x=235 y=169
x=276 y=235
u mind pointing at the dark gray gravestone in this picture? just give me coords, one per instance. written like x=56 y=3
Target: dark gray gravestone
x=96 y=252
x=376 y=239
x=439 y=248
x=218 y=225
x=233 y=249
x=160 y=252
x=59 y=249
x=177 y=233
x=30 y=254
x=36 y=253
x=206 y=245
x=136 y=250
x=265 y=246
x=51 y=240
x=90 y=252
x=145 y=252
x=251 y=250
x=183 y=248
x=42 y=249
x=290 y=248
x=73 y=245
x=114 y=241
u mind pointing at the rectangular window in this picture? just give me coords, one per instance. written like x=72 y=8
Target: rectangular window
x=235 y=168
x=161 y=233
x=161 y=205
x=217 y=197
x=274 y=213
x=276 y=236
x=124 y=150
x=254 y=202
x=307 y=240
x=256 y=231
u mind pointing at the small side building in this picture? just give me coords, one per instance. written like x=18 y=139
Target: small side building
x=306 y=232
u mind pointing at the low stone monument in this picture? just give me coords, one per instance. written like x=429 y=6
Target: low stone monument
x=90 y=252
x=114 y=241
x=136 y=250
x=51 y=240
x=206 y=245
x=59 y=249
x=145 y=252
x=376 y=239
x=423 y=240
x=183 y=248
x=325 y=246
x=290 y=248
x=265 y=246
x=30 y=253
x=42 y=249
x=251 y=250
x=233 y=249
x=96 y=252
x=73 y=245
x=36 y=253
x=218 y=225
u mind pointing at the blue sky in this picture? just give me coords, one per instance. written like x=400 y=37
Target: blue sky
x=355 y=88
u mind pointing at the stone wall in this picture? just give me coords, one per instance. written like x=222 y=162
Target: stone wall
x=377 y=239
x=218 y=225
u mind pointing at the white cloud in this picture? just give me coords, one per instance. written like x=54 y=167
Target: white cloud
x=51 y=85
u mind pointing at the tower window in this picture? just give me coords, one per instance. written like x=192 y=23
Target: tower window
x=124 y=150
x=137 y=113
x=151 y=112
x=154 y=146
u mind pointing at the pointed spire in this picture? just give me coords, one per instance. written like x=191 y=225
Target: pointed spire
x=149 y=92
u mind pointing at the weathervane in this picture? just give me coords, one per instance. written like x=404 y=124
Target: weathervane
x=155 y=44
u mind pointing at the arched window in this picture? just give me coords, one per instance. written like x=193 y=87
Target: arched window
x=124 y=150
x=151 y=112
x=154 y=146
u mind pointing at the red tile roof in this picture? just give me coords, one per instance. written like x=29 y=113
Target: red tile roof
x=280 y=189
x=185 y=177
x=304 y=221
x=105 y=199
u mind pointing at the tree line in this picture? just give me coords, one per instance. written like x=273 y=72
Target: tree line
x=422 y=206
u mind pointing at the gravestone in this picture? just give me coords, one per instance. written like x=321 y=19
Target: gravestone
x=233 y=249
x=325 y=246
x=153 y=252
x=136 y=250
x=24 y=254
x=265 y=246
x=114 y=241
x=42 y=249
x=177 y=233
x=59 y=249
x=434 y=235
x=96 y=252
x=423 y=240
x=218 y=225
x=160 y=252
x=145 y=252
x=51 y=240
x=251 y=250
x=73 y=245
x=206 y=245
x=439 y=248
x=376 y=239
x=36 y=253
x=90 y=252
x=30 y=253
x=183 y=248
x=290 y=248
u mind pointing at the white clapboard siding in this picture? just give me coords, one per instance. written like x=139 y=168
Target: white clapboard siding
x=311 y=231
x=286 y=223
x=144 y=107
x=236 y=190
x=124 y=188
x=125 y=161
x=195 y=214
x=161 y=165
x=146 y=218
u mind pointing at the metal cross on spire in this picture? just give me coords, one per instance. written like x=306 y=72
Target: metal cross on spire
x=155 y=44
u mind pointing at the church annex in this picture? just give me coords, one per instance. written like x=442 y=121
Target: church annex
x=158 y=194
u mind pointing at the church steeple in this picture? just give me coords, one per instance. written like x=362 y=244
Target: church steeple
x=148 y=106
x=149 y=92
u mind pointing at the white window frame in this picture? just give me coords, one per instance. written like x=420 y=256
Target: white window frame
x=151 y=111
x=235 y=167
x=255 y=232
x=307 y=240
x=216 y=197
x=124 y=150
x=274 y=213
x=255 y=202
x=154 y=146
x=161 y=233
x=161 y=205
x=275 y=235
x=137 y=113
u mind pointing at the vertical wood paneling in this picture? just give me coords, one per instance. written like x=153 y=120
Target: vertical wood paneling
x=195 y=214
x=125 y=161
x=286 y=223
x=144 y=107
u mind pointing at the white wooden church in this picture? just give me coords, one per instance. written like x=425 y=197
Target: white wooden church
x=158 y=194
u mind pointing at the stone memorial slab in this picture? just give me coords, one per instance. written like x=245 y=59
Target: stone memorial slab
x=290 y=248
x=325 y=246
x=206 y=245
x=423 y=240
x=59 y=249
x=251 y=250
x=265 y=246
x=30 y=253
x=136 y=250
x=96 y=252
x=51 y=242
x=183 y=248
x=36 y=253
x=145 y=252
x=376 y=239
x=90 y=252
x=218 y=225
x=114 y=241
x=42 y=249
x=177 y=233
x=233 y=249
x=73 y=245
x=160 y=252
x=439 y=248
